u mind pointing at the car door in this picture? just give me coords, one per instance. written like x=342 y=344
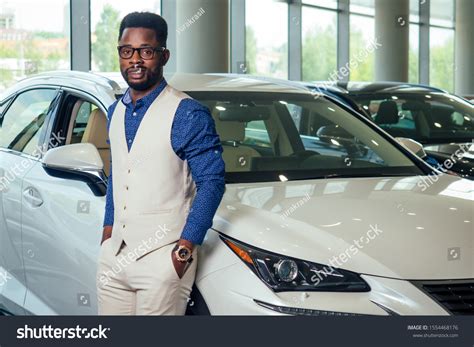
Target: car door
x=22 y=127
x=62 y=224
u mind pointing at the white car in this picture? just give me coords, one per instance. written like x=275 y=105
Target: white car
x=324 y=213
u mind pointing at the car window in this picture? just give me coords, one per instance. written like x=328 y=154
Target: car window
x=326 y=137
x=295 y=112
x=23 y=122
x=390 y=115
x=80 y=123
x=256 y=135
x=3 y=105
x=424 y=117
x=266 y=135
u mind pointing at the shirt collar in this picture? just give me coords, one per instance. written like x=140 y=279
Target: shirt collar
x=149 y=98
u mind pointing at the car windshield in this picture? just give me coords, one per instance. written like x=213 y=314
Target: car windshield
x=425 y=117
x=278 y=136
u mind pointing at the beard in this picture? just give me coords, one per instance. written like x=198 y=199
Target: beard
x=152 y=77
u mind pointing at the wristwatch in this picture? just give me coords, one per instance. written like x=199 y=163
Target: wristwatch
x=183 y=254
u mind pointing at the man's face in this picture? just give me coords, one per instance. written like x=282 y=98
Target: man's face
x=142 y=74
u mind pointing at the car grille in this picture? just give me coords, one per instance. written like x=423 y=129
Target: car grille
x=456 y=296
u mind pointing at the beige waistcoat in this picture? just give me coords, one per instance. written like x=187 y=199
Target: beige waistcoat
x=153 y=188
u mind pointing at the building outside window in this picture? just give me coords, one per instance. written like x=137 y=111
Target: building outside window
x=266 y=38
x=442 y=44
x=29 y=44
x=362 y=34
x=414 y=42
x=105 y=21
x=319 y=42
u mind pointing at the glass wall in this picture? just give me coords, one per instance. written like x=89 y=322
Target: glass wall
x=442 y=13
x=332 y=4
x=442 y=44
x=362 y=32
x=319 y=44
x=414 y=42
x=414 y=53
x=442 y=58
x=366 y=7
x=362 y=36
x=105 y=20
x=266 y=40
x=29 y=43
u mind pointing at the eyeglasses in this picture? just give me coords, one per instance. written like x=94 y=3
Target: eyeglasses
x=147 y=53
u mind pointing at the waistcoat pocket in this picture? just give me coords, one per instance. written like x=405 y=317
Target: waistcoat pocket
x=160 y=211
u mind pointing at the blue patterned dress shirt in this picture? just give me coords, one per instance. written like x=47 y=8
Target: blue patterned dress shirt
x=193 y=137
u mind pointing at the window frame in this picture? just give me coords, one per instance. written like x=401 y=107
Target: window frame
x=69 y=98
x=51 y=111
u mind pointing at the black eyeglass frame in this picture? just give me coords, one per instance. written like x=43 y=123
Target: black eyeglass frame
x=139 y=49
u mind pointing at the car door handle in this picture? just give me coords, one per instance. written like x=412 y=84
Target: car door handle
x=33 y=197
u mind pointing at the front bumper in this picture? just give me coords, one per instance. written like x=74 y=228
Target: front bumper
x=236 y=290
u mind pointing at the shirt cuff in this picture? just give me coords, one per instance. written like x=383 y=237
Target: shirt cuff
x=108 y=219
x=194 y=234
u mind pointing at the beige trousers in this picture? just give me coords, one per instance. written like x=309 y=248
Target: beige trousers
x=145 y=286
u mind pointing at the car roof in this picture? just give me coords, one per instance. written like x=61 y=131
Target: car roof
x=387 y=87
x=113 y=83
x=324 y=87
x=91 y=83
x=230 y=82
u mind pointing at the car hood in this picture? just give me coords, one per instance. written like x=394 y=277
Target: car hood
x=420 y=229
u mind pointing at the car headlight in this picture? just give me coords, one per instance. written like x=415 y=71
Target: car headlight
x=282 y=273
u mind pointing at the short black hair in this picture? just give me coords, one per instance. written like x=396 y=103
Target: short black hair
x=146 y=20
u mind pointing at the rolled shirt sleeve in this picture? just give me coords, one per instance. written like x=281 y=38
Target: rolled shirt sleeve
x=109 y=198
x=194 y=138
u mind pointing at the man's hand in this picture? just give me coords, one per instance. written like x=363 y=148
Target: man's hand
x=180 y=267
x=106 y=234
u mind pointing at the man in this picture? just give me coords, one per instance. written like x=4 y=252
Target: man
x=168 y=180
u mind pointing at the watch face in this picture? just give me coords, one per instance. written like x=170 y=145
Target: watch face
x=183 y=253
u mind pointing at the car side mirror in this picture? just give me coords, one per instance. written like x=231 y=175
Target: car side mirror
x=78 y=156
x=413 y=146
x=79 y=161
x=328 y=132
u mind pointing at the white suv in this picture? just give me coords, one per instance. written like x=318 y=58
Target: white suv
x=323 y=214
